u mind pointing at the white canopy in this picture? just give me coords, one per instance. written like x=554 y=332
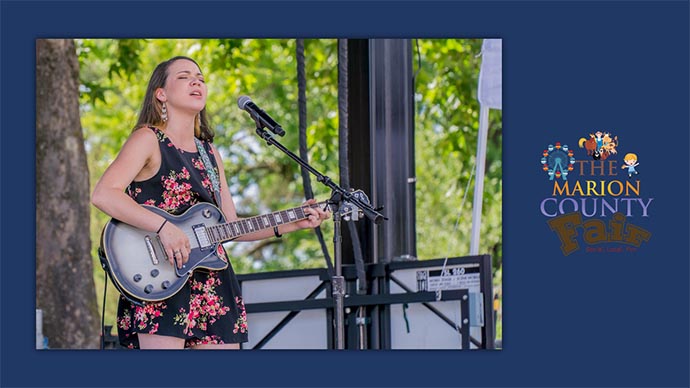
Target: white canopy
x=489 y=94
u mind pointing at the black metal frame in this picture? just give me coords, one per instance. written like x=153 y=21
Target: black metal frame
x=310 y=302
x=486 y=286
x=383 y=274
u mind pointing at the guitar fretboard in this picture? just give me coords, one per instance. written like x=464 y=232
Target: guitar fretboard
x=232 y=230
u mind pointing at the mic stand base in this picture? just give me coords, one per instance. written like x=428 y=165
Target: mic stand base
x=338 y=280
x=338 y=297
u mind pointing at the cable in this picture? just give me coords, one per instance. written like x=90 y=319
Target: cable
x=455 y=228
x=302 y=104
x=105 y=290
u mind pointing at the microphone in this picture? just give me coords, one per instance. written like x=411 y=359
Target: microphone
x=262 y=118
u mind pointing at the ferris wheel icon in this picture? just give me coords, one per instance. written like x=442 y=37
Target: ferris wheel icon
x=557 y=161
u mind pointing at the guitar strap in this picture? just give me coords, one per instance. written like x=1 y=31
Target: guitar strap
x=210 y=170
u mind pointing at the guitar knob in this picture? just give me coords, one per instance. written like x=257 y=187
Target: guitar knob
x=148 y=289
x=165 y=285
x=137 y=277
x=154 y=273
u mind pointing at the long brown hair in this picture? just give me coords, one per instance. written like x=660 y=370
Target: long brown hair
x=151 y=108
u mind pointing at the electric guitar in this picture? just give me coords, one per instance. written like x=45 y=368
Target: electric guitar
x=139 y=266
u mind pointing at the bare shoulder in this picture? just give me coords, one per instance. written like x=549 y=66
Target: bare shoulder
x=141 y=140
x=139 y=145
x=144 y=134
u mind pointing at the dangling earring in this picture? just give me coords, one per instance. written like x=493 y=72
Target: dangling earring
x=164 y=113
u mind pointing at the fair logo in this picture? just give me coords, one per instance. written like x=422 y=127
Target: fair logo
x=596 y=198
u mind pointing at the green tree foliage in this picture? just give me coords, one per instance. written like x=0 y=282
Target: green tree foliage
x=114 y=74
x=446 y=130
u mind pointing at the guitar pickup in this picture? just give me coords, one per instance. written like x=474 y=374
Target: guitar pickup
x=151 y=250
x=201 y=235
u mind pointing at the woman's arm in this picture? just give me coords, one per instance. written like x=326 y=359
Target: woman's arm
x=230 y=212
x=138 y=159
x=134 y=160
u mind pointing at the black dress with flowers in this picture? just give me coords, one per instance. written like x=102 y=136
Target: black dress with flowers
x=209 y=308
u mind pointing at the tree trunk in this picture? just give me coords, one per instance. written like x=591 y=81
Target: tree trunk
x=65 y=289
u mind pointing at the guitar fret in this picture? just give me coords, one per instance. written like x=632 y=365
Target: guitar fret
x=209 y=235
x=232 y=230
x=213 y=231
x=207 y=232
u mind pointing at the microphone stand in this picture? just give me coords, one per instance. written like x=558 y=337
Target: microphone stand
x=345 y=204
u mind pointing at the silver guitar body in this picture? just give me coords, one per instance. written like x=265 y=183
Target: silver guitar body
x=138 y=265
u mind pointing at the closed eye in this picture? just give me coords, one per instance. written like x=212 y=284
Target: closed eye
x=185 y=77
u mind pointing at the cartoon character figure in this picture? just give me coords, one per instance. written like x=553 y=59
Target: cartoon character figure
x=589 y=144
x=599 y=139
x=610 y=144
x=600 y=145
x=630 y=161
x=596 y=155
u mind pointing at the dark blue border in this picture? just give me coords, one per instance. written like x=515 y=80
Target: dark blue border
x=569 y=67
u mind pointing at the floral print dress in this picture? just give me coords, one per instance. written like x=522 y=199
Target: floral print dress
x=209 y=308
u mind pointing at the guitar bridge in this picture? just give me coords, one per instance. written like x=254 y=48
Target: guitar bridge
x=152 y=252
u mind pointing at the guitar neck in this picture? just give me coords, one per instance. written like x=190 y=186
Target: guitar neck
x=231 y=230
